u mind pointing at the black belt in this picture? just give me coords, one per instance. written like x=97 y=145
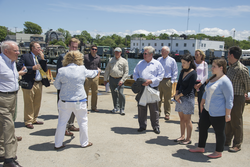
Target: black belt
x=166 y=78
x=37 y=81
x=9 y=92
x=116 y=77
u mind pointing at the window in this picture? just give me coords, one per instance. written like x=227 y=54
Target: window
x=169 y=44
x=148 y=44
x=142 y=44
x=155 y=44
x=136 y=44
x=176 y=44
x=204 y=45
x=185 y=44
x=221 y=46
x=193 y=44
x=162 y=44
x=133 y=44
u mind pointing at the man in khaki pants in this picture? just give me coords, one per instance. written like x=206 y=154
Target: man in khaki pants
x=8 y=95
x=92 y=62
x=32 y=94
x=165 y=86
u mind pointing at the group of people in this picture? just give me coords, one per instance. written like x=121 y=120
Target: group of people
x=77 y=73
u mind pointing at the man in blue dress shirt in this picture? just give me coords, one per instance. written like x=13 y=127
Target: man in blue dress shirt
x=165 y=86
x=8 y=95
x=152 y=71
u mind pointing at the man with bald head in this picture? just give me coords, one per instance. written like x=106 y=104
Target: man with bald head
x=8 y=95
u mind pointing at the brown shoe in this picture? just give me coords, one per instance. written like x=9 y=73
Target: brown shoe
x=19 y=138
x=95 y=110
x=68 y=133
x=30 y=126
x=166 y=117
x=73 y=128
x=12 y=164
x=38 y=122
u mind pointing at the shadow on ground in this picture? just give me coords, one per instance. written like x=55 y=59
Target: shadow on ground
x=48 y=146
x=48 y=117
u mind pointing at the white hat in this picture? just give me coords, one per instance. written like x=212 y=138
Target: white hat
x=118 y=49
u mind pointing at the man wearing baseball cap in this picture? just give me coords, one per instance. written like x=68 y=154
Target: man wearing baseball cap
x=117 y=72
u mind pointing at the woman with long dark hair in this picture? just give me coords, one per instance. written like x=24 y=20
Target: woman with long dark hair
x=216 y=105
x=185 y=97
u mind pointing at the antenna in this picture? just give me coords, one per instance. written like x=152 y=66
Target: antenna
x=188 y=18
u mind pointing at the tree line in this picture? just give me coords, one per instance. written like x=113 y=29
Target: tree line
x=118 y=41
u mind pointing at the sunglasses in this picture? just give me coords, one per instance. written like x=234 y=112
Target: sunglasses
x=145 y=53
x=94 y=49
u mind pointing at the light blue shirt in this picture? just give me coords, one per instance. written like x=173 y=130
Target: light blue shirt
x=218 y=96
x=70 y=81
x=38 y=75
x=170 y=67
x=150 y=71
x=8 y=75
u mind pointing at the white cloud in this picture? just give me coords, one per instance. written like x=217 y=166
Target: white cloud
x=163 y=10
x=239 y=35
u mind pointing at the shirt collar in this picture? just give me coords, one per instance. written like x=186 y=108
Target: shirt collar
x=33 y=54
x=235 y=64
x=72 y=64
x=6 y=59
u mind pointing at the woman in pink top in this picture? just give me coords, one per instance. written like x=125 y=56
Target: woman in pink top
x=202 y=74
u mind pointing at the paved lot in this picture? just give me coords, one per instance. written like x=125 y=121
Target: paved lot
x=116 y=140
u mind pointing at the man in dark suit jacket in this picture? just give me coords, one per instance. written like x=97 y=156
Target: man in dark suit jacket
x=32 y=94
x=73 y=45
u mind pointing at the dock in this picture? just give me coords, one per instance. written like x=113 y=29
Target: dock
x=115 y=139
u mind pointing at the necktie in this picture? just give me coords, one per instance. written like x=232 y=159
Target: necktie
x=43 y=74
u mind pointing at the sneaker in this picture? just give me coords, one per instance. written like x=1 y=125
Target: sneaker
x=114 y=110
x=122 y=112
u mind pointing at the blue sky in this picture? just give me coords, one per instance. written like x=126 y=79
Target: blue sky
x=106 y=17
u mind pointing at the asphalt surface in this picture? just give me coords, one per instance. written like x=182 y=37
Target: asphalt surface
x=116 y=142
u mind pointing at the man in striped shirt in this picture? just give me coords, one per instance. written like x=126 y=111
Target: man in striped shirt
x=239 y=76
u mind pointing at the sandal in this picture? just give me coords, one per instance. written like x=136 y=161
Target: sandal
x=179 y=140
x=89 y=144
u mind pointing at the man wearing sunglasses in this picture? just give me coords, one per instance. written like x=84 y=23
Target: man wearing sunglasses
x=117 y=73
x=92 y=62
x=73 y=45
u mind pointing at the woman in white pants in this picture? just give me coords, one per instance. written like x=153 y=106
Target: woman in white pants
x=70 y=81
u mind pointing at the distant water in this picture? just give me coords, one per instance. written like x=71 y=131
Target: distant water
x=133 y=62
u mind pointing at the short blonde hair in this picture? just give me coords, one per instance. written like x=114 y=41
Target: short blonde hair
x=201 y=53
x=74 y=40
x=75 y=57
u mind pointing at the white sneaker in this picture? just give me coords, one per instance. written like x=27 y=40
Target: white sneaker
x=114 y=110
x=122 y=112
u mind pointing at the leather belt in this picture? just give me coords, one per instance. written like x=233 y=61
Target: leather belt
x=116 y=77
x=166 y=78
x=9 y=92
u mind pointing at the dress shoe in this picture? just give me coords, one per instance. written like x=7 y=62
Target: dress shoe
x=234 y=149
x=73 y=128
x=95 y=110
x=68 y=133
x=38 y=122
x=166 y=117
x=2 y=159
x=141 y=129
x=30 y=126
x=157 y=130
x=57 y=148
x=197 y=150
x=14 y=163
x=19 y=138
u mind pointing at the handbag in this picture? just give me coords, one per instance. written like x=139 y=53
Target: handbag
x=45 y=82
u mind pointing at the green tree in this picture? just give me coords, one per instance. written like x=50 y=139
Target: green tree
x=3 y=33
x=32 y=28
x=65 y=33
x=86 y=35
x=55 y=42
x=163 y=36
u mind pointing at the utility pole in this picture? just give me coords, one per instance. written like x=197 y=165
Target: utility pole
x=233 y=37
x=188 y=18
x=15 y=29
